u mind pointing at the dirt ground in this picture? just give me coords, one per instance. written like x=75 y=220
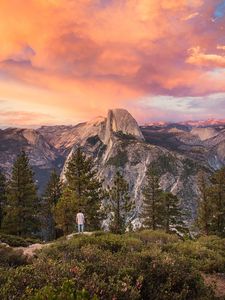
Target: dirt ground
x=30 y=250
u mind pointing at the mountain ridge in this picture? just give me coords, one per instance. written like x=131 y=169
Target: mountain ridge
x=117 y=142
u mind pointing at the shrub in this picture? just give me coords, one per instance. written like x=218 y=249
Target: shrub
x=10 y=257
x=141 y=265
x=25 y=280
x=156 y=236
x=173 y=278
x=16 y=241
x=205 y=254
x=65 y=292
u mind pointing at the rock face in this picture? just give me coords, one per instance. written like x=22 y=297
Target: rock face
x=120 y=120
x=43 y=156
x=117 y=142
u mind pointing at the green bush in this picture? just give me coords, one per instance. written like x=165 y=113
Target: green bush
x=167 y=277
x=205 y=254
x=139 y=265
x=156 y=237
x=10 y=257
x=16 y=241
x=26 y=280
x=65 y=292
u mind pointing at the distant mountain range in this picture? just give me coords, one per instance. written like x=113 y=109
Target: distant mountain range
x=180 y=150
x=201 y=123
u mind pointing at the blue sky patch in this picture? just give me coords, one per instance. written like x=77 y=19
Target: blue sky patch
x=220 y=10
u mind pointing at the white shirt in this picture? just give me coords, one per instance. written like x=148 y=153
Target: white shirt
x=80 y=218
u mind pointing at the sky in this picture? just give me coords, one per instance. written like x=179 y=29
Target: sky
x=68 y=61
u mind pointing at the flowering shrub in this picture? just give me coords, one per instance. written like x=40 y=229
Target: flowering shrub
x=143 y=265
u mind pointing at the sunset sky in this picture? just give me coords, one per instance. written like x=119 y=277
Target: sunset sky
x=66 y=61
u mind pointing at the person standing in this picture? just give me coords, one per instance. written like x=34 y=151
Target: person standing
x=80 y=221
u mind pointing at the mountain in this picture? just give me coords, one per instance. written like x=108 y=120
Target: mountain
x=43 y=156
x=179 y=151
x=201 y=123
x=205 y=145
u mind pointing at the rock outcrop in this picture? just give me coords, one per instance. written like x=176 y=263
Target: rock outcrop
x=121 y=121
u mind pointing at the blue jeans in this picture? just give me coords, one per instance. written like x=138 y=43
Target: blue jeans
x=80 y=228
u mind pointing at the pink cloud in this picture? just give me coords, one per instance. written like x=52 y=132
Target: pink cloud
x=92 y=55
x=197 y=57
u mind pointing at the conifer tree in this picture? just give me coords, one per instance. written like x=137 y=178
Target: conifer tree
x=82 y=179
x=3 y=196
x=171 y=214
x=120 y=204
x=217 y=199
x=65 y=211
x=205 y=212
x=50 y=199
x=22 y=201
x=152 y=202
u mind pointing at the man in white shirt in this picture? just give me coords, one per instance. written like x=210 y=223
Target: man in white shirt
x=80 y=221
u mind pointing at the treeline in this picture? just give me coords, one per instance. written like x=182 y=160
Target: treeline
x=23 y=213
x=211 y=204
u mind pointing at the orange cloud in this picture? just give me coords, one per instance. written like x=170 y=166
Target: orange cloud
x=220 y=47
x=198 y=57
x=24 y=118
x=83 y=56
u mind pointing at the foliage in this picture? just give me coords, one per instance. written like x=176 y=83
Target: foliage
x=217 y=198
x=3 y=196
x=152 y=202
x=205 y=254
x=140 y=265
x=64 y=292
x=119 y=204
x=22 y=201
x=204 y=217
x=150 y=237
x=49 y=200
x=171 y=212
x=82 y=180
x=125 y=136
x=17 y=241
x=163 y=164
x=65 y=211
x=211 y=209
x=190 y=168
x=10 y=257
x=119 y=160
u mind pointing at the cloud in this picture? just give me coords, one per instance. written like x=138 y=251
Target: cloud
x=85 y=56
x=24 y=119
x=172 y=109
x=191 y=16
x=220 y=47
x=198 y=57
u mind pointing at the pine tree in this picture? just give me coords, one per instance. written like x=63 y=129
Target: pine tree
x=3 y=196
x=65 y=211
x=171 y=214
x=205 y=212
x=82 y=179
x=152 y=202
x=50 y=199
x=217 y=198
x=120 y=204
x=22 y=201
